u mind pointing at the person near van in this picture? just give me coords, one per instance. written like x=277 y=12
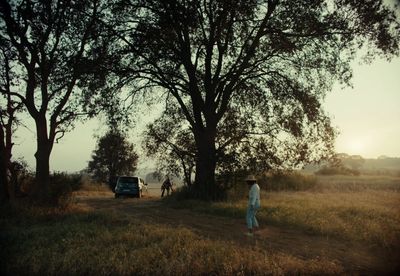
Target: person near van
x=253 y=205
x=166 y=186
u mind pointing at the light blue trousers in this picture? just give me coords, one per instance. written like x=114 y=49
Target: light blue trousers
x=251 y=217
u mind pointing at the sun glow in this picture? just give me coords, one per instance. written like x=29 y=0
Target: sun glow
x=356 y=147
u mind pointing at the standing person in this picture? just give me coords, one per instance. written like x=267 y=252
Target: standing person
x=166 y=186
x=253 y=205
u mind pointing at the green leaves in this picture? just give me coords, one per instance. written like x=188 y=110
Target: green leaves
x=113 y=156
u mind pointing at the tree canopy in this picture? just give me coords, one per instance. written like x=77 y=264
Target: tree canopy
x=243 y=81
x=56 y=45
x=262 y=68
x=113 y=156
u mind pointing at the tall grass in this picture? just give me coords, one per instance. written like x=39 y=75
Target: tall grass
x=371 y=216
x=358 y=183
x=38 y=240
x=75 y=242
x=287 y=181
x=90 y=187
x=365 y=209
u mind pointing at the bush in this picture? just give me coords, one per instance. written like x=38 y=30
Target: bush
x=61 y=187
x=23 y=185
x=292 y=181
x=21 y=178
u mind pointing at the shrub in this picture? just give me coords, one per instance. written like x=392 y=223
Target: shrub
x=61 y=187
x=21 y=178
x=23 y=185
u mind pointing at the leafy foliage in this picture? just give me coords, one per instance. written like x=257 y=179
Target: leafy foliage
x=56 y=47
x=243 y=81
x=113 y=156
x=248 y=77
x=172 y=145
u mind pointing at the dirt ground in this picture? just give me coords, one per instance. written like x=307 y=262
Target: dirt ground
x=355 y=257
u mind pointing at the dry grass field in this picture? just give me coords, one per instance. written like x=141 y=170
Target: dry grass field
x=344 y=225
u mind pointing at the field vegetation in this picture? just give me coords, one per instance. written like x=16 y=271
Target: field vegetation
x=75 y=240
x=364 y=208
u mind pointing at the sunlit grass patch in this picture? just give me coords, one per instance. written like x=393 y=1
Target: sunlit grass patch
x=79 y=242
x=370 y=216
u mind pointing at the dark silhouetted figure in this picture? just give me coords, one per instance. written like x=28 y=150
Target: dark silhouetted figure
x=167 y=185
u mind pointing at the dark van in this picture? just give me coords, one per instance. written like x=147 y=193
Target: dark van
x=129 y=186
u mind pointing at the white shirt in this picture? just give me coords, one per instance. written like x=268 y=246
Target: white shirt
x=254 y=195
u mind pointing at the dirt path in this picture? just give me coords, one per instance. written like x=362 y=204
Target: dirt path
x=354 y=257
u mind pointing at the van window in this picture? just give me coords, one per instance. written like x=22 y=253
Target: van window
x=128 y=180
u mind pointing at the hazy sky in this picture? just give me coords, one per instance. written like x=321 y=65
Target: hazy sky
x=367 y=116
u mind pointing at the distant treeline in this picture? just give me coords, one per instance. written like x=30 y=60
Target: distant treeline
x=388 y=163
x=358 y=164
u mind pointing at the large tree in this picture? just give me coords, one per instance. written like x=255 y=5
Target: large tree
x=271 y=60
x=9 y=106
x=113 y=156
x=55 y=43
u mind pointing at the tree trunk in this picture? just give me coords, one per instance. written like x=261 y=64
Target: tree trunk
x=4 y=192
x=41 y=189
x=188 y=175
x=206 y=160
